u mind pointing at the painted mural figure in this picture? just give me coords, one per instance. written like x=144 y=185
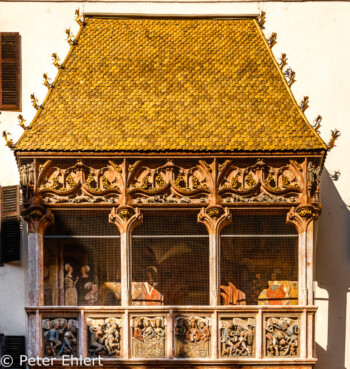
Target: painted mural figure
x=71 y=294
x=82 y=282
x=91 y=297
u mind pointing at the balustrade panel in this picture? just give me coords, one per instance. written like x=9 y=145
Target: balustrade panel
x=179 y=334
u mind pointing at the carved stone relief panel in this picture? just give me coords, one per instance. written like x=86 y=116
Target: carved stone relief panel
x=281 y=336
x=60 y=336
x=192 y=336
x=104 y=336
x=148 y=338
x=237 y=337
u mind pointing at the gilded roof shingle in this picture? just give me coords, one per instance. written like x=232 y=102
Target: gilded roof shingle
x=170 y=85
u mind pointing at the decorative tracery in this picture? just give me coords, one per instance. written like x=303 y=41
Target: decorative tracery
x=135 y=182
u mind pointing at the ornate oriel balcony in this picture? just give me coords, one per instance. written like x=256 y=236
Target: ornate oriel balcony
x=172 y=260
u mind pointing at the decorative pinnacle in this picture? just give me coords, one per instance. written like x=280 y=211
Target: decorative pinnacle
x=56 y=61
x=79 y=18
x=35 y=102
x=21 y=121
x=290 y=74
x=304 y=104
x=272 y=40
x=9 y=141
x=283 y=60
x=335 y=134
x=47 y=81
x=70 y=38
x=317 y=123
x=262 y=19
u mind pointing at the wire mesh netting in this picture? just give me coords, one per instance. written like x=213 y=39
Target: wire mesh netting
x=170 y=260
x=259 y=261
x=82 y=260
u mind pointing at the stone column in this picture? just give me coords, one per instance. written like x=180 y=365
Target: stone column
x=126 y=219
x=214 y=218
x=38 y=218
x=303 y=218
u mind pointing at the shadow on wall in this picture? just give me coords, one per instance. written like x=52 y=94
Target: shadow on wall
x=333 y=276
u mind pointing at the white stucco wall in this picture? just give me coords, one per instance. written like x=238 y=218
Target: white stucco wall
x=315 y=37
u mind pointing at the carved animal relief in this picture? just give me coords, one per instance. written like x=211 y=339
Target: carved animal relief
x=192 y=337
x=104 y=337
x=237 y=337
x=282 y=336
x=148 y=337
x=60 y=337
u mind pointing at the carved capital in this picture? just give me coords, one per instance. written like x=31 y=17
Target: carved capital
x=38 y=218
x=125 y=218
x=301 y=216
x=214 y=218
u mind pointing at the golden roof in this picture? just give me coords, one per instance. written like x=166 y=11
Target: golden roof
x=185 y=85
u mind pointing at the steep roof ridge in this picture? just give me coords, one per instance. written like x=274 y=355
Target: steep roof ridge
x=49 y=91
x=289 y=89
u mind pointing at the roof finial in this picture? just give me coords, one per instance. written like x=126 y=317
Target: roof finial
x=47 y=81
x=317 y=124
x=79 y=18
x=9 y=141
x=283 y=62
x=70 y=37
x=290 y=74
x=56 y=61
x=21 y=121
x=272 y=40
x=35 y=102
x=262 y=19
x=304 y=104
x=335 y=134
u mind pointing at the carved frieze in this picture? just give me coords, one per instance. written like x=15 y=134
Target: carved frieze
x=260 y=182
x=192 y=336
x=104 y=337
x=148 y=337
x=237 y=337
x=60 y=337
x=79 y=183
x=282 y=336
x=171 y=184
x=207 y=182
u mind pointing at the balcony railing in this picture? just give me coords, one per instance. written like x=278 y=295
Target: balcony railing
x=247 y=334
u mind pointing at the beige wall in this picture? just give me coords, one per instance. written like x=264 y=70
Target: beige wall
x=315 y=36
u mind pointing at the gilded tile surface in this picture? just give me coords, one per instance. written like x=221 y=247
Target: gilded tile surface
x=170 y=85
